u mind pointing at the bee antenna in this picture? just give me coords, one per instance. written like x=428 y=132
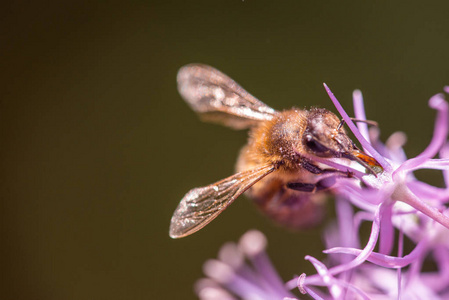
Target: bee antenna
x=369 y=122
x=341 y=124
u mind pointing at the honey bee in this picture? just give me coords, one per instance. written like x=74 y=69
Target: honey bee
x=276 y=168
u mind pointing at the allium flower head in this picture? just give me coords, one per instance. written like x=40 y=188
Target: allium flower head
x=396 y=204
x=231 y=276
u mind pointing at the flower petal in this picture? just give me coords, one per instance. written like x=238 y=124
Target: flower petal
x=359 y=112
x=383 y=260
x=439 y=135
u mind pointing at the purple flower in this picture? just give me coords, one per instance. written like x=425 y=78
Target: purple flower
x=231 y=277
x=396 y=204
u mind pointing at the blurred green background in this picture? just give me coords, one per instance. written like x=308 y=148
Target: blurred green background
x=98 y=147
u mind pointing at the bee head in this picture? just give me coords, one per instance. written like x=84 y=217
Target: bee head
x=325 y=137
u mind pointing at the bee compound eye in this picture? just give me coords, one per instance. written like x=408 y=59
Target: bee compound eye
x=316 y=146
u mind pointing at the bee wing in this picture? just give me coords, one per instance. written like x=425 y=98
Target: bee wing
x=218 y=98
x=201 y=205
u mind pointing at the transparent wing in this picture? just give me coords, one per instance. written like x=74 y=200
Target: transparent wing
x=218 y=98
x=201 y=205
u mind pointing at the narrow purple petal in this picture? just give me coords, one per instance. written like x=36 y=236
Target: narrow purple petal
x=383 y=260
x=413 y=274
x=314 y=294
x=364 y=254
x=427 y=192
x=345 y=216
x=359 y=111
x=437 y=164
x=394 y=145
x=401 y=241
x=361 y=216
x=438 y=103
x=439 y=135
x=365 y=144
x=400 y=252
x=374 y=137
x=346 y=235
x=292 y=283
x=444 y=153
x=386 y=231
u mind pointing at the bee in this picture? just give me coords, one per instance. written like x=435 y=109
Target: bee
x=277 y=168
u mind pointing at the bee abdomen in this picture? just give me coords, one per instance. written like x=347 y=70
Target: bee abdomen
x=287 y=207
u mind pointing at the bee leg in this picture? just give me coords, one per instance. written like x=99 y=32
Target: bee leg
x=302 y=187
x=311 y=167
x=321 y=185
